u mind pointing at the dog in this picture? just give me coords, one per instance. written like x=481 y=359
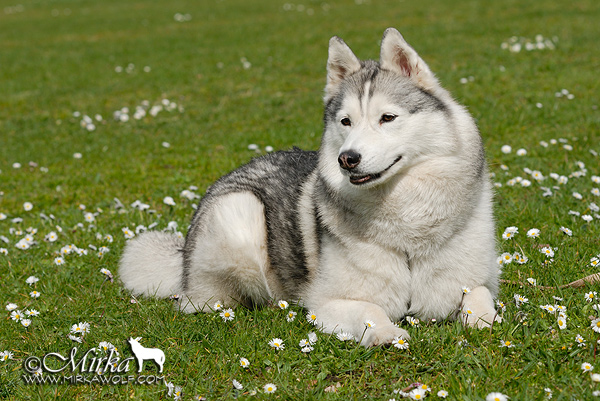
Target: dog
x=391 y=217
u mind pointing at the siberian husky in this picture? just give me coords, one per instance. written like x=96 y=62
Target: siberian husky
x=391 y=217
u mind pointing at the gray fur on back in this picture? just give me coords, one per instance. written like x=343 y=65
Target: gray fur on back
x=276 y=180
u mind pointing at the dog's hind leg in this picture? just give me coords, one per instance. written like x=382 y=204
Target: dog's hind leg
x=228 y=257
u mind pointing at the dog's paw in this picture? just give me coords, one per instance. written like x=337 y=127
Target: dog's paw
x=482 y=320
x=383 y=335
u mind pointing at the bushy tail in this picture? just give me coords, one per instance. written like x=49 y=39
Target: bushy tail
x=152 y=264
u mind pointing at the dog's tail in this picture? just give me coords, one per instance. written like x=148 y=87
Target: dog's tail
x=152 y=264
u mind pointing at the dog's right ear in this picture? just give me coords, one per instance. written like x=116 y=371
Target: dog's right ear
x=340 y=64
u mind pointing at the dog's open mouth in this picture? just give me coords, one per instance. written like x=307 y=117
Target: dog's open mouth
x=363 y=179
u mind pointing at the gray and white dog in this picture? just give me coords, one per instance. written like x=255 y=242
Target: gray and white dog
x=391 y=217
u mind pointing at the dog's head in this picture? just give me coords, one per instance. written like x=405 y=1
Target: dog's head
x=381 y=117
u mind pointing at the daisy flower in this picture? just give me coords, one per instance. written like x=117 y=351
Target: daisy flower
x=532 y=281
x=549 y=308
x=521 y=152
x=442 y=394
x=506 y=149
x=16 y=315
x=549 y=252
x=311 y=317
x=533 y=233
x=277 y=343
x=562 y=322
x=75 y=338
x=537 y=175
x=218 y=305
x=519 y=300
x=400 y=343
x=343 y=336
x=227 y=314
x=307 y=349
x=11 y=307
x=506 y=344
x=590 y=296
x=595 y=191
x=577 y=195
x=510 y=232
x=59 y=261
x=466 y=290
x=596 y=377
x=26 y=322
x=369 y=324
x=506 y=258
x=594 y=262
x=244 y=363
x=237 y=385
x=587 y=367
x=596 y=325
x=32 y=312
x=269 y=388
x=312 y=338
x=587 y=218
x=106 y=346
x=80 y=328
x=567 y=231
x=24 y=245
x=417 y=394
x=34 y=294
x=106 y=272
x=6 y=355
x=27 y=206
x=579 y=340
x=282 y=304
x=89 y=217
x=291 y=316
x=3 y=251
x=168 y=201
x=413 y=321
x=496 y=397
x=128 y=233
x=500 y=305
x=32 y=280
x=520 y=259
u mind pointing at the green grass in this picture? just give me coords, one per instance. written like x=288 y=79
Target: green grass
x=60 y=57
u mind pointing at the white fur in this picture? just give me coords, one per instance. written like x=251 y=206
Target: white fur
x=230 y=256
x=151 y=264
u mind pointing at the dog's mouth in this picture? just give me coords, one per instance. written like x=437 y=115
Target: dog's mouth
x=363 y=179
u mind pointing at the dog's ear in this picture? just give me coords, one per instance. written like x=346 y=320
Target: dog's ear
x=340 y=64
x=397 y=55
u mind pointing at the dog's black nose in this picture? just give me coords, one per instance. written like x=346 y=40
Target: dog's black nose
x=349 y=159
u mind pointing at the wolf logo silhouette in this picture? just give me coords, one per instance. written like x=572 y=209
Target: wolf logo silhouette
x=143 y=354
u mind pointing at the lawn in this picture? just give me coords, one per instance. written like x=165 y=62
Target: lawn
x=105 y=103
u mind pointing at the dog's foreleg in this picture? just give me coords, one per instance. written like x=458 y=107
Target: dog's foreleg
x=351 y=317
x=478 y=308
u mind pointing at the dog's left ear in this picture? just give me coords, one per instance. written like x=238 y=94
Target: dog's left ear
x=397 y=55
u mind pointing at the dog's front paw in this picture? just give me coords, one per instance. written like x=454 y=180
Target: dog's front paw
x=480 y=320
x=383 y=335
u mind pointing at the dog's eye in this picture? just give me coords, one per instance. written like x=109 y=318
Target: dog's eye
x=386 y=118
x=346 y=122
